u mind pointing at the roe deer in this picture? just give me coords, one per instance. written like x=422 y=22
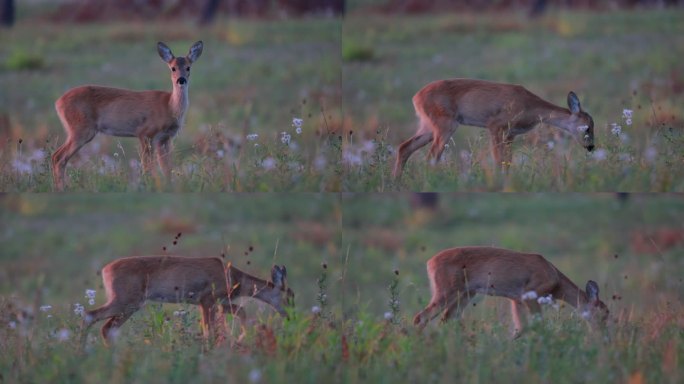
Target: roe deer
x=154 y=117
x=131 y=281
x=506 y=110
x=457 y=274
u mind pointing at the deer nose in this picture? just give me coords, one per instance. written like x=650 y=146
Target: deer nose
x=181 y=81
x=590 y=148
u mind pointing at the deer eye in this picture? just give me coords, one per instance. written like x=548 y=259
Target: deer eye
x=187 y=69
x=173 y=69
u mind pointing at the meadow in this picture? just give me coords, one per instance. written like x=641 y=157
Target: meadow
x=253 y=79
x=351 y=82
x=357 y=265
x=616 y=61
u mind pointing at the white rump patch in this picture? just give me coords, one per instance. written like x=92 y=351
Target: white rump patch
x=530 y=295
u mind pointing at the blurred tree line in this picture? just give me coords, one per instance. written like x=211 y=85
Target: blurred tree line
x=202 y=10
x=535 y=7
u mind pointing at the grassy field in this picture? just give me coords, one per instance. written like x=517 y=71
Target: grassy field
x=355 y=77
x=253 y=78
x=374 y=247
x=614 y=61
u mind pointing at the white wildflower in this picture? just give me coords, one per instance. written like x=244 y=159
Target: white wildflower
x=113 y=334
x=600 y=154
x=254 y=376
x=550 y=144
x=22 y=166
x=615 y=129
x=627 y=116
x=315 y=309
x=582 y=128
x=285 y=138
x=297 y=122
x=45 y=308
x=268 y=163
x=389 y=316
x=530 y=295
x=252 y=136
x=586 y=314
x=90 y=295
x=63 y=334
x=368 y=146
x=546 y=300
x=320 y=162
x=12 y=324
x=351 y=158
x=220 y=153
x=625 y=157
x=79 y=310
x=650 y=154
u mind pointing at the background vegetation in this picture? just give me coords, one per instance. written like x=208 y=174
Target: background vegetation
x=254 y=77
x=53 y=245
x=614 y=60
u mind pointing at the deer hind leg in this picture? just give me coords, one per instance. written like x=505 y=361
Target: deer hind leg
x=77 y=138
x=445 y=128
x=110 y=311
x=406 y=149
x=112 y=325
x=456 y=306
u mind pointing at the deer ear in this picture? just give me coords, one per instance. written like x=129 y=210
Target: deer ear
x=574 y=103
x=195 y=51
x=282 y=268
x=277 y=276
x=592 y=291
x=164 y=52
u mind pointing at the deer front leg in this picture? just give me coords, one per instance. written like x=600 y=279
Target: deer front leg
x=515 y=315
x=500 y=142
x=163 y=147
x=146 y=152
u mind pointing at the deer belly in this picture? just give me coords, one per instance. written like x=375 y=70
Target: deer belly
x=178 y=293
x=122 y=127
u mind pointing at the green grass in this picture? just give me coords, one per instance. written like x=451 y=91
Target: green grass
x=54 y=244
x=612 y=60
x=254 y=77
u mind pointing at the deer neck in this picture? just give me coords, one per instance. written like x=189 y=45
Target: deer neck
x=570 y=293
x=179 y=102
x=243 y=284
x=559 y=118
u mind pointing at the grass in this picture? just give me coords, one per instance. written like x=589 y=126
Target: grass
x=613 y=60
x=254 y=77
x=374 y=248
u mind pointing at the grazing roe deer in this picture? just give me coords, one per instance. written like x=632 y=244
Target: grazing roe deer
x=457 y=274
x=154 y=117
x=506 y=110
x=131 y=281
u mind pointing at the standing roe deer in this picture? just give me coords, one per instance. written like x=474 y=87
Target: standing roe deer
x=154 y=117
x=131 y=281
x=457 y=274
x=506 y=110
